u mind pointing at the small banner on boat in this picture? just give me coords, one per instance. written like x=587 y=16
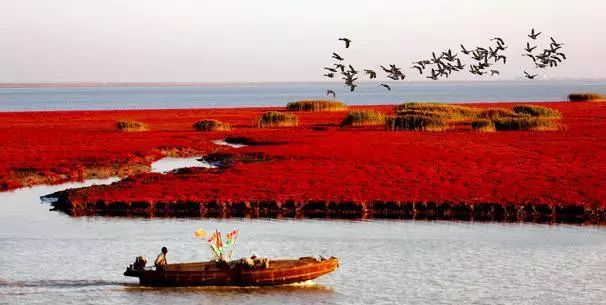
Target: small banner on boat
x=215 y=242
x=200 y=233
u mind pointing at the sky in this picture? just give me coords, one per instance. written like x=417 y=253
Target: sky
x=278 y=40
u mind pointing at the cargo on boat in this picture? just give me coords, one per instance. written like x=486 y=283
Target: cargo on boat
x=235 y=273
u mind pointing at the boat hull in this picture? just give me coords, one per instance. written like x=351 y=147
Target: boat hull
x=279 y=272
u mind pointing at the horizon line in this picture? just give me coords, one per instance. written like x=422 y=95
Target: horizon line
x=76 y=84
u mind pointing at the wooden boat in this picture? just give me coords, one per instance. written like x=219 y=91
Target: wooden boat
x=276 y=272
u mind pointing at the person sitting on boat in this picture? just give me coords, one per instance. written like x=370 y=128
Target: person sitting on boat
x=160 y=261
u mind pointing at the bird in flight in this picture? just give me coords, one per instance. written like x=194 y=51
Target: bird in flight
x=555 y=44
x=386 y=86
x=433 y=75
x=337 y=56
x=531 y=56
x=494 y=72
x=371 y=74
x=500 y=40
x=330 y=92
x=529 y=49
x=346 y=40
x=534 y=34
x=331 y=69
x=465 y=51
x=529 y=76
x=330 y=75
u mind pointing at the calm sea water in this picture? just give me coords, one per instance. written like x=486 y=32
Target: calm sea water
x=51 y=258
x=278 y=94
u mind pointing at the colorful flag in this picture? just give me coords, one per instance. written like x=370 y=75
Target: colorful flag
x=199 y=233
x=212 y=237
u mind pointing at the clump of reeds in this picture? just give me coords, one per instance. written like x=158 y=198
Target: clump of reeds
x=211 y=125
x=483 y=125
x=537 y=111
x=277 y=119
x=364 y=118
x=586 y=97
x=526 y=123
x=495 y=113
x=316 y=105
x=446 y=111
x=414 y=122
x=131 y=126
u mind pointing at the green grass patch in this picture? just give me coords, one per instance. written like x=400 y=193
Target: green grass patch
x=586 y=97
x=413 y=122
x=131 y=126
x=364 y=118
x=495 y=113
x=526 y=123
x=483 y=125
x=445 y=111
x=316 y=105
x=277 y=119
x=537 y=111
x=211 y=125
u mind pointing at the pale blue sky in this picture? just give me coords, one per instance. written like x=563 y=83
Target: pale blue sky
x=275 y=40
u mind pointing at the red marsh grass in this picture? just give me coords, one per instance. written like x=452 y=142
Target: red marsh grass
x=316 y=105
x=586 y=97
x=277 y=119
x=211 y=125
x=131 y=126
x=364 y=118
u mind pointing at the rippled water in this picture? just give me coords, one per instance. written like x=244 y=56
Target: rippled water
x=51 y=258
x=272 y=94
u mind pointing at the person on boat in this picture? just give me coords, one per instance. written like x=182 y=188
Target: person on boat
x=160 y=261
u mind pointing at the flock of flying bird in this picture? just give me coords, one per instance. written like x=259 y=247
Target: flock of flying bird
x=443 y=64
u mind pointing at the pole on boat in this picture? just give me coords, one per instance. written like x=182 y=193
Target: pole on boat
x=233 y=245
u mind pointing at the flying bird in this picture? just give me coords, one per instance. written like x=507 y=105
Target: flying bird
x=331 y=69
x=464 y=51
x=531 y=56
x=418 y=68
x=346 y=40
x=371 y=74
x=499 y=40
x=330 y=75
x=337 y=56
x=433 y=75
x=494 y=72
x=554 y=43
x=529 y=49
x=330 y=92
x=534 y=34
x=386 y=86
x=529 y=76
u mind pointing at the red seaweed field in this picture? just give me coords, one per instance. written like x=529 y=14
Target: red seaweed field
x=316 y=166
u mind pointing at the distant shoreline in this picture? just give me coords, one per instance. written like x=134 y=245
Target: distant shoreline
x=199 y=84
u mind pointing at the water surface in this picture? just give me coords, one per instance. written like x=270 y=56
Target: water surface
x=271 y=94
x=49 y=257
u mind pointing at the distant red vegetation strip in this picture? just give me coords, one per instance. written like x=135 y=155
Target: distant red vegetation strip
x=320 y=165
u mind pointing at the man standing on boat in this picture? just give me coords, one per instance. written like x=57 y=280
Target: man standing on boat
x=160 y=261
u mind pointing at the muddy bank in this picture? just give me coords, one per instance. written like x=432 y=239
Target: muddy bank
x=527 y=212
